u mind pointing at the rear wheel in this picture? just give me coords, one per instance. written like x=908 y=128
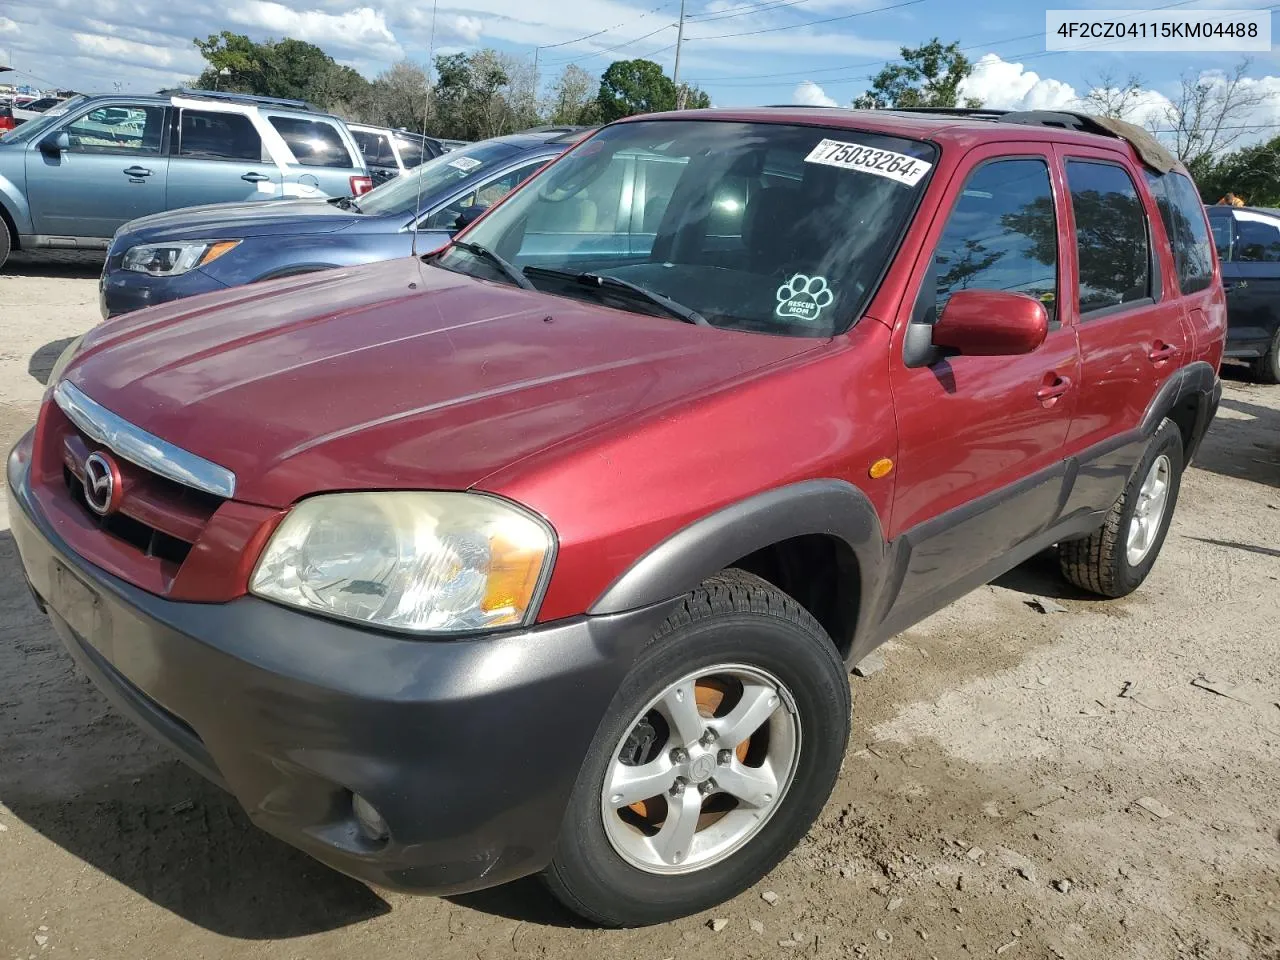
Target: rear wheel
x=1116 y=559
x=1266 y=369
x=6 y=241
x=724 y=743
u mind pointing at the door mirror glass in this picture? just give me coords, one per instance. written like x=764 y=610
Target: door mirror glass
x=55 y=143
x=991 y=323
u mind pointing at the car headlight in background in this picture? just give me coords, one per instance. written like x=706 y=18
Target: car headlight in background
x=425 y=562
x=172 y=259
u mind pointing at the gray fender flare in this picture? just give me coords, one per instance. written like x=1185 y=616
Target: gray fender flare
x=678 y=564
x=1198 y=381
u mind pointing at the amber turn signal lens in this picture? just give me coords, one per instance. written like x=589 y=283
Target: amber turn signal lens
x=217 y=249
x=881 y=468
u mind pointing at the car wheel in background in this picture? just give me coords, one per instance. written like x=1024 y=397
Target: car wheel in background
x=1266 y=369
x=1115 y=560
x=6 y=242
x=720 y=750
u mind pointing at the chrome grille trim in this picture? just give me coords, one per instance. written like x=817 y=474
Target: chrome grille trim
x=137 y=446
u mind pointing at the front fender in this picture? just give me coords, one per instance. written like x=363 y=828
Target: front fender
x=14 y=201
x=678 y=564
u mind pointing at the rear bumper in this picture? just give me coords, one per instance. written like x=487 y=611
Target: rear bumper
x=468 y=748
x=123 y=291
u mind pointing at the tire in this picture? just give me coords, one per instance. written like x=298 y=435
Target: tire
x=6 y=241
x=1266 y=369
x=1102 y=563
x=733 y=618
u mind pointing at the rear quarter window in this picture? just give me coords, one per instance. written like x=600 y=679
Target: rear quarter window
x=313 y=143
x=1184 y=221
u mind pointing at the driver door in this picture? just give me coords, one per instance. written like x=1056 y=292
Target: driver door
x=980 y=459
x=114 y=171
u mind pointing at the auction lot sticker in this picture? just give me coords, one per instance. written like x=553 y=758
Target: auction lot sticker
x=881 y=163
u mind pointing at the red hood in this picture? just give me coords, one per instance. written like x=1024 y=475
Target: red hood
x=396 y=375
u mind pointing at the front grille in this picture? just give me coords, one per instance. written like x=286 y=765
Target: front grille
x=158 y=517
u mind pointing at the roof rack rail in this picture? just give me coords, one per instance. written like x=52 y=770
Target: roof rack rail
x=233 y=97
x=978 y=113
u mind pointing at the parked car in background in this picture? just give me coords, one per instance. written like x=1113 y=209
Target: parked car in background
x=71 y=177
x=6 y=118
x=1248 y=241
x=453 y=144
x=173 y=255
x=549 y=552
x=33 y=109
x=389 y=153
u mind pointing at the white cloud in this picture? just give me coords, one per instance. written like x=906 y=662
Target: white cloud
x=7 y=25
x=362 y=29
x=133 y=52
x=810 y=94
x=1010 y=86
x=467 y=29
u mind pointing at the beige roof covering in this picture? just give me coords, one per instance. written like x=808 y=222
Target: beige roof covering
x=1152 y=152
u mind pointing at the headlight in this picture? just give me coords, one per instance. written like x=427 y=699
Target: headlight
x=426 y=562
x=171 y=259
x=64 y=360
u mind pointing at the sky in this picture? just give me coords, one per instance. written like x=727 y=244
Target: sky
x=740 y=51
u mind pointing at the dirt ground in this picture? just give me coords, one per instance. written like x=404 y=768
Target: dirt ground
x=1001 y=796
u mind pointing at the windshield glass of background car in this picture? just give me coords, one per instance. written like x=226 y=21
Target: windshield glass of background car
x=33 y=128
x=773 y=228
x=401 y=194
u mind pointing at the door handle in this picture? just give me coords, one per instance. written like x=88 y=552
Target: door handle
x=1162 y=352
x=1054 y=387
x=255 y=177
x=136 y=171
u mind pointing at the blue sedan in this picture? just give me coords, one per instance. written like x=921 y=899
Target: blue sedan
x=181 y=253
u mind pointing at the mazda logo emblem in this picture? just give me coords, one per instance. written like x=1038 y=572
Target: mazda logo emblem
x=102 y=484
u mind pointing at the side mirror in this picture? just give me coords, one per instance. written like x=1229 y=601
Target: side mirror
x=468 y=216
x=55 y=143
x=991 y=323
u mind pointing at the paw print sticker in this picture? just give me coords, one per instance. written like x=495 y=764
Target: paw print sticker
x=804 y=297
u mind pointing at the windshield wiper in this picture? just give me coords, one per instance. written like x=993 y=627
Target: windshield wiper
x=672 y=307
x=482 y=252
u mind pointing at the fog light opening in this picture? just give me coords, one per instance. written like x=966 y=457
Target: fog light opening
x=370 y=820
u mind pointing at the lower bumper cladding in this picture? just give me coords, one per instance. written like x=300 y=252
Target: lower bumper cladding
x=466 y=750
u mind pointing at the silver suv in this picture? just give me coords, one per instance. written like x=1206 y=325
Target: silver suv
x=74 y=175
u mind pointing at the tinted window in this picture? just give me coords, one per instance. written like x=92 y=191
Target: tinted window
x=413 y=152
x=770 y=227
x=1111 y=236
x=218 y=136
x=1183 y=216
x=375 y=147
x=313 y=143
x=1002 y=235
x=118 y=129
x=1221 y=227
x=485 y=196
x=1257 y=238
x=436 y=176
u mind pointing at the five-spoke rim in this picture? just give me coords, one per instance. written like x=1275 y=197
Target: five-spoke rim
x=701 y=769
x=1153 y=496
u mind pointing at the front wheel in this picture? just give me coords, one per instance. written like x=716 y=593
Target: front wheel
x=724 y=743
x=1115 y=560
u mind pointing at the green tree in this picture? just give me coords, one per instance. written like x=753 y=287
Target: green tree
x=928 y=76
x=1252 y=173
x=629 y=87
x=234 y=53
x=285 y=68
x=573 y=97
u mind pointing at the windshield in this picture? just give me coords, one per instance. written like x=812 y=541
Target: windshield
x=400 y=194
x=33 y=128
x=774 y=228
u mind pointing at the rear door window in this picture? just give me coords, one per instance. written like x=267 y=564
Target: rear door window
x=1002 y=235
x=1183 y=216
x=313 y=143
x=1222 y=237
x=206 y=135
x=1112 y=247
x=375 y=147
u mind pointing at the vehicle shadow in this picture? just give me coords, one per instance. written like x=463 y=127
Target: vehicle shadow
x=524 y=900
x=1247 y=446
x=81 y=264
x=80 y=775
x=41 y=363
x=1041 y=576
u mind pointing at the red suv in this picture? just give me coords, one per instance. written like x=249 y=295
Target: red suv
x=548 y=552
